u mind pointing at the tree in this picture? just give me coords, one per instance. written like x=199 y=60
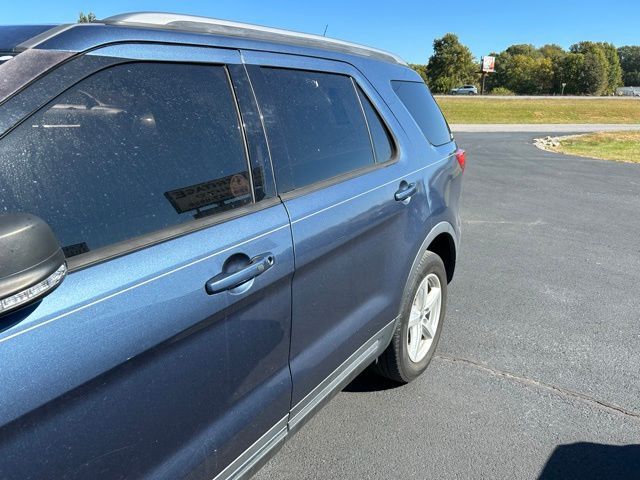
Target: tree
x=594 y=78
x=569 y=71
x=500 y=77
x=630 y=62
x=557 y=55
x=523 y=49
x=552 y=51
x=632 y=79
x=524 y=74
x=451 y=64
x=523 y=70
x=422 y=71
x=614 y=70
x=88 y=18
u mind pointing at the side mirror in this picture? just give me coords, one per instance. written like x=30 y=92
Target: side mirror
x=32 y=263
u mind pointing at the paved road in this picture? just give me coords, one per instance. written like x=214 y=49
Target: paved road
x=542 y=127
x=541 y=347
x=622 y=98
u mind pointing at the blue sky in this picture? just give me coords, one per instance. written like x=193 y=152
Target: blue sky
x=403 y=27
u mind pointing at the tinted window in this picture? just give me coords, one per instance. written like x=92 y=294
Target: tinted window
x=315 y=125
x=128 y=151
x=424 y=110
x=379 y=134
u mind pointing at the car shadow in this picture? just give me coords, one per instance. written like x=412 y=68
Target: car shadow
x=590 y=461
x=369 y=381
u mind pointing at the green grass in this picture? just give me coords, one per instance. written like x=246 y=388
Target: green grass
x=618 y=146
x=539 y=110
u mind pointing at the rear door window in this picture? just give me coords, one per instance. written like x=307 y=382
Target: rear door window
x=424 y=110
x=130 y=150
x=315 y=125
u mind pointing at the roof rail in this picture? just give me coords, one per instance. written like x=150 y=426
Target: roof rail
x=196 y=24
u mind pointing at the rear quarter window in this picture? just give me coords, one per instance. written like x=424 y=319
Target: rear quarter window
x=425 y=111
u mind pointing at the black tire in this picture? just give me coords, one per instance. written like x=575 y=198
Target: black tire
x=394 y=363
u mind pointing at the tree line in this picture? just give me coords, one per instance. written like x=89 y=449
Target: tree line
x=587 y=68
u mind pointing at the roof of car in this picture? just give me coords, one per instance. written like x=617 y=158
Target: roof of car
x=13 y=35
x=205 y=25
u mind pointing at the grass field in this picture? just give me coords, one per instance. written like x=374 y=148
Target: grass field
x=618 y=146
x=539 y=110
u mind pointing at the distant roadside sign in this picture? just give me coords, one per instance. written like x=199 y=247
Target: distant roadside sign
x=488 y=64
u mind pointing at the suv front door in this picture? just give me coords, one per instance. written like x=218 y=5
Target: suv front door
x=164 y=353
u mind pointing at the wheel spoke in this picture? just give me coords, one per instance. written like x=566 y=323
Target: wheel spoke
x=432 y=298
x=416 y=339
x=424 y=317
x=421 y=296
x=428 y=329
x=415 y=316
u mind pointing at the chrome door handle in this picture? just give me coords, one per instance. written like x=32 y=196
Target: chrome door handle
x=406 y=191
x=227 y=281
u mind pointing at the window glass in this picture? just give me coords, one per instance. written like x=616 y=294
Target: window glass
x=128 y=151
x=382 y=143
x=424 y=110
x=315 y=126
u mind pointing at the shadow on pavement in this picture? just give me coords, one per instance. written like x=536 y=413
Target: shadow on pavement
x=368 y=381
x=590 y=461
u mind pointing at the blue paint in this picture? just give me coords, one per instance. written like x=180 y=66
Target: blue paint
x=130 y=369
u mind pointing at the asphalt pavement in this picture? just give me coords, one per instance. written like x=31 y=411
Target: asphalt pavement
x=537 y=374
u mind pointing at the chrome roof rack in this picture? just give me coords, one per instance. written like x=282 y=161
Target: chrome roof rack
x=196 y=24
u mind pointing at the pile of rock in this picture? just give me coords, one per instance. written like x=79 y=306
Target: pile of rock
x=547 y=143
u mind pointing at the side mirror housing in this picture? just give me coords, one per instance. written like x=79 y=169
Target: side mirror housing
x=32 y=263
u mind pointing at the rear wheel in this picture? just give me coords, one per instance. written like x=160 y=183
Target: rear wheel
x=420 y=324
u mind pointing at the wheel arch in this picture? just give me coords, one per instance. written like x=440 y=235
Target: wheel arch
x=443 y=241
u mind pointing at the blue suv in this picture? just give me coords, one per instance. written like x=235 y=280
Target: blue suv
x=207 y=229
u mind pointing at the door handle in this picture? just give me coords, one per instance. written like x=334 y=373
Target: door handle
x=227 y=281
x=407 y=190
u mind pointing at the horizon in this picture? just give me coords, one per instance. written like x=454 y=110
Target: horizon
x=408 y=31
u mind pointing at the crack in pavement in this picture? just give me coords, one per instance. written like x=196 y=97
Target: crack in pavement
x=564 y=392
x=505 y=222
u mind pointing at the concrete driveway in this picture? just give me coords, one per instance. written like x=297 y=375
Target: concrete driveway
x=538 y=370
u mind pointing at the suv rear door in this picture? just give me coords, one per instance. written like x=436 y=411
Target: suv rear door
x=356 y=216
x=148 y=361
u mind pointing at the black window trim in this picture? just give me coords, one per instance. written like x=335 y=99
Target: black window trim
x=366 y=120
x=243 y=133
x=133 y=244
x=343 y=177
x=249 y=91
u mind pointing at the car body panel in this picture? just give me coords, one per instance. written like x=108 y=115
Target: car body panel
x=13 y=35
x=132 y=359
x=350 y=222
x=129 y=369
